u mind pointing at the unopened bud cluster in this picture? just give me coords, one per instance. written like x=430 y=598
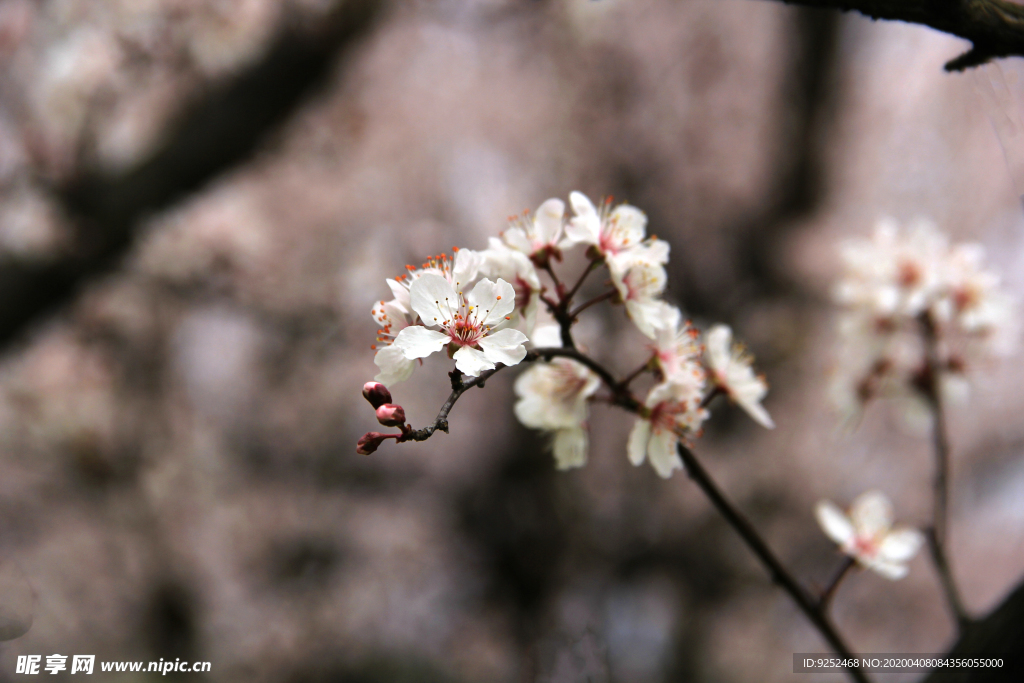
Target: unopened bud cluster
x=388 y=414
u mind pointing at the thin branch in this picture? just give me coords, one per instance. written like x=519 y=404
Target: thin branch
x=459 y=387
x=579 y=283
x=621 y=396
x=596 y=300
x=930 y=385
x=994 y=27
x=826 y=595
x=780 y=575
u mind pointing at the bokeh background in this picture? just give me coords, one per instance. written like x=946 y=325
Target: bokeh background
x=199 y=203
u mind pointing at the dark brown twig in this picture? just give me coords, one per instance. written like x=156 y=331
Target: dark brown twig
x=826 y=595
x=994 y=27
x=812 y=608
x=930 y=385
x=780 y=575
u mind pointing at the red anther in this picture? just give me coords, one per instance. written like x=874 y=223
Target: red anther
x=499 y=298
x=408 y=267
x=455 y=248
x=391 y=415
x=376 y=393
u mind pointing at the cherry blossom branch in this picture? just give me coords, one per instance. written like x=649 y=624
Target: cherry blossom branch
x=929 y=384
x=994 y=27
x=811 y=608
x=596 y=300
x=459 y=387
x=594 y=264
x=826 y=595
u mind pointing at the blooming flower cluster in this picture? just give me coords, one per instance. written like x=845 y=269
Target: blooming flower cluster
x=867 y=534
x=904 y=289
x=482 y=308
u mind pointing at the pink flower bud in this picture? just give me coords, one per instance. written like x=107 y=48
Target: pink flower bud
x=369 y=442
x=391 y=415
x=376 y=393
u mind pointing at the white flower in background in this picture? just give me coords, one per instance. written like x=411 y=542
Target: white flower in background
x=974 y=300
x=674 y=408
x=868 y=536
x=893 y=273
x=469 y=325
x=516 y=268
x=898 y=288
x=538 y=235
x=677 y=353
x=640 y=282
x=548 y=334
x=610 y=232
x=729 y=366
x=553 y=397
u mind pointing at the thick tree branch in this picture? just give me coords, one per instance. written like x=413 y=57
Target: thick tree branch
x=994 y=27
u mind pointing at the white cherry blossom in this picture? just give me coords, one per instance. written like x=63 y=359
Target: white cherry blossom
x=868 y=535
x=538 y=235
x=611 y=232
x=470 y=326
x=894 y=273
x=553 y=397
x=516 y=268
x=673 y=409
x=677 y=352
x=729 y=367
x=392 y=317
x=640 y=280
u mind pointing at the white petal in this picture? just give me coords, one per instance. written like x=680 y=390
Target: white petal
x=492 y=301
x=890 y=570
x=717 y=345
x=433 y=299
x=471 y=361
x=871 y=514
x=547 y=336
x=570 y=448
x=504 y=346
x=834 y=523
x=756 y=411
x=532 y=410
x=417 y=341
x=394 y=366
x=465 y=267
x=636 y=448
x=517 y=239
x=548 y=221
x=900 y=544
x=661 y=450
x=585 y=227
x=651 y=315
x=400 y=291
x=632 y=224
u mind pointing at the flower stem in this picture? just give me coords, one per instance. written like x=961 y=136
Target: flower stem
x=780 y=575
x=622 y=397
x=826 y=595
x=596 y=300
x=937 y=535
x=579 y=283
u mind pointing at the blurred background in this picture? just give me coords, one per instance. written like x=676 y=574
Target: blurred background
x=200 y=201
